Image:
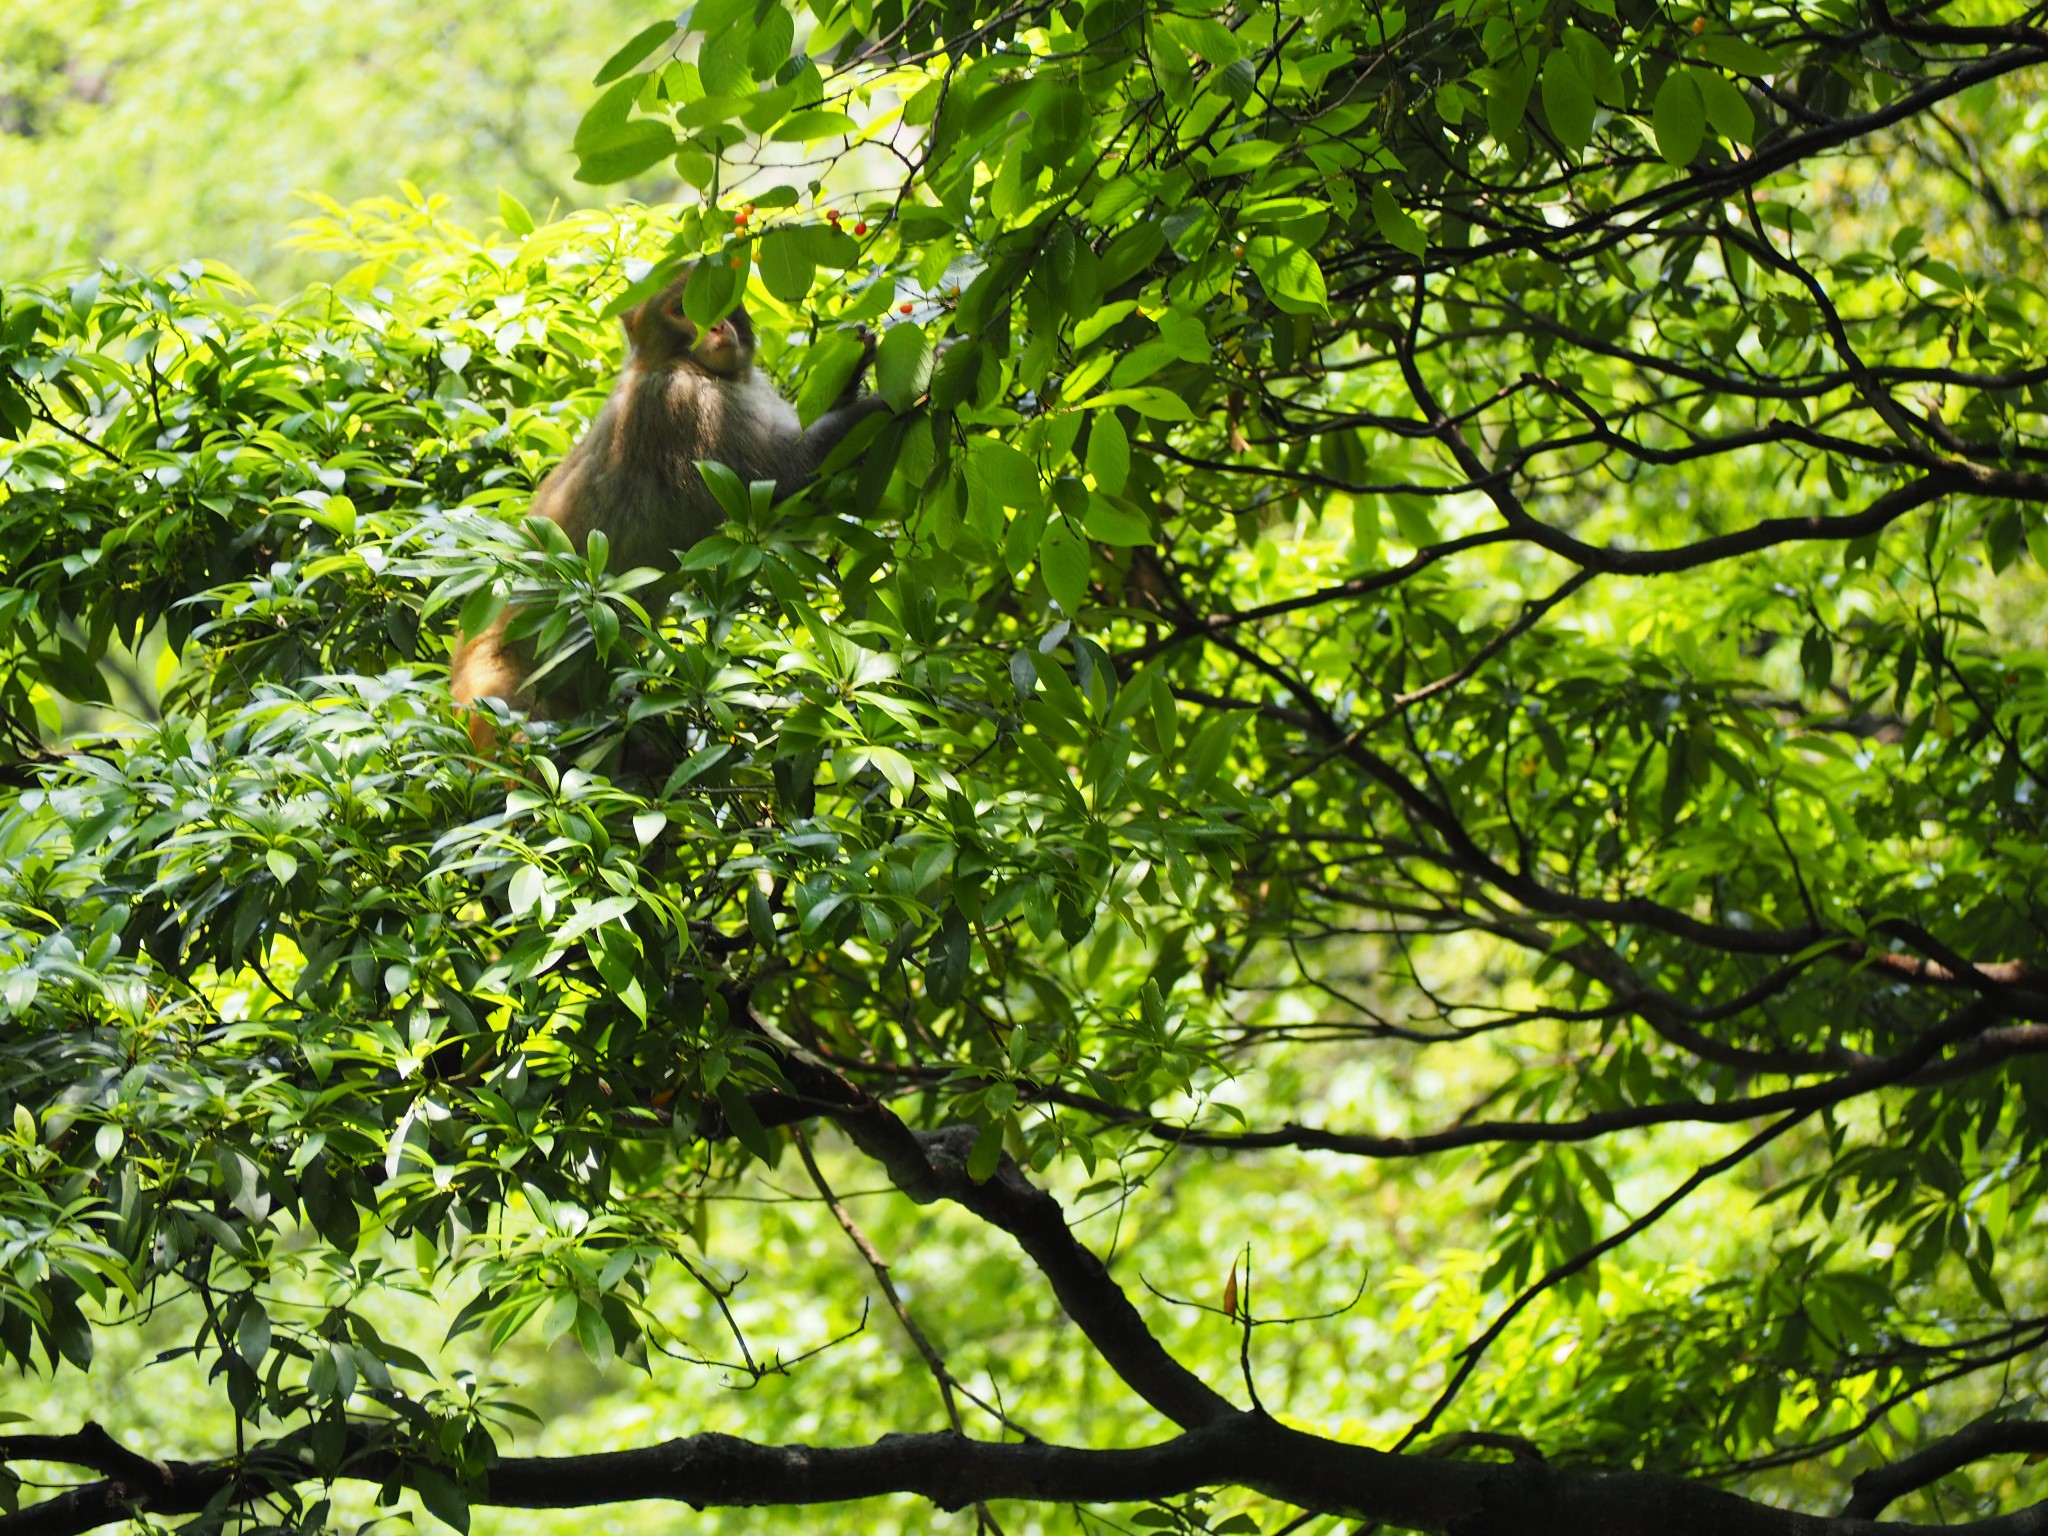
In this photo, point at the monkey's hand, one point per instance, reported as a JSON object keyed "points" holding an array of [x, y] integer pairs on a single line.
{"points": [[867, 356]]}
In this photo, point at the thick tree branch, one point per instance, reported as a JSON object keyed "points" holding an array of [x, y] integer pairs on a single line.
{"points": [[1991, 1437], [1248, 1450]]}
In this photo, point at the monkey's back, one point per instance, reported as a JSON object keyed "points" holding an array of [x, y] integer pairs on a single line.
{"points": [[634, 473]]}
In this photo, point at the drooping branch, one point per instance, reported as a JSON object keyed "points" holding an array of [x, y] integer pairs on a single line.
{"points": [[932, 1165]]}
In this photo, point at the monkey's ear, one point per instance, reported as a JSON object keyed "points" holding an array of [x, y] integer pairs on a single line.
{"points": [[634, 319]]}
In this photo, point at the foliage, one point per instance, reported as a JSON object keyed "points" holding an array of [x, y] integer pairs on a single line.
{"points": [[1453, 589]]}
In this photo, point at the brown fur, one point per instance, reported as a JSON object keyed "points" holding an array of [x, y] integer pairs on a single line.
{"points": [[680, 398]]}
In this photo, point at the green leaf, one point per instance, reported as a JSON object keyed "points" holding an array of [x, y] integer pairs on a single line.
{"points": [[1130, 253], [1109, 453], [252, 1334], [1412, 519], [16, 416], [641, 44], [1203, 36], [903, 364], [760, 920], [695, 167], [830, 247], [523, 890], [987, 1153], [808, 127], [832, 364], [1567, 103], [606, 116], [442, 1497], [1739, 54], [711, 292], [769, 50], [626, 152], [1004, 473], [1246, 155], [1063, 560], [1170, 69], [1059, 123], [955, 373], [1727, 109], [1146, 400], [1507, 99], [1114, 525], [746, 1125], [1236, 80], [1679, 118], [1394, 222], [1288, 273], [722, 61], [513, 214], [946, 968], [787, 270]]}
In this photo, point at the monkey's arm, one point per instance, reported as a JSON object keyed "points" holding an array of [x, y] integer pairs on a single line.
{"points": [[820, 438]]}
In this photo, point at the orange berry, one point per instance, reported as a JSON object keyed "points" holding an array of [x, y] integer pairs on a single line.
{"points": [[748, 210], [1699, 25], [906, 308], [738, 262]]}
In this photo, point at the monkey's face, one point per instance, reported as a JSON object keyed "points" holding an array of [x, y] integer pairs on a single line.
{"points": [[725, 350]]}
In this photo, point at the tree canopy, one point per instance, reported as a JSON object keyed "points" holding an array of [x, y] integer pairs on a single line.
{"points": [[1377, 864]]}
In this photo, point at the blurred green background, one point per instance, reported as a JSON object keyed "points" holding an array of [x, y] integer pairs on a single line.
{"points": [[151, 131]]}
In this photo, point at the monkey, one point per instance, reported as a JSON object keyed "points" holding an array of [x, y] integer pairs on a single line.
{"points": [[681, 397]]}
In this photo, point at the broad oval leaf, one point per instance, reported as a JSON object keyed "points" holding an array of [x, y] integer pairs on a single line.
{"points": [[642, 43], [1679, 118], [903, 364], [626, 153], [1289, 274], [1567, 101], [1109, 453], [1063, 559], [806, 127], [787, 270]]}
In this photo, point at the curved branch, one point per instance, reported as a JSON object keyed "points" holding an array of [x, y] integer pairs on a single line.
{"points": [[932, 1165], [1991, 1437]]}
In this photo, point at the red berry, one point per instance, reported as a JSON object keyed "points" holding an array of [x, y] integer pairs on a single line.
{"points": [[906, 308], [861, 228], [832, 214]]}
